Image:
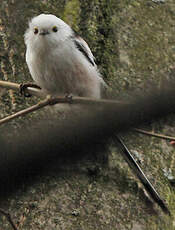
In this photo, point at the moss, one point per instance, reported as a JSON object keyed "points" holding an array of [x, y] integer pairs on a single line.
{"points": [[145, 36], [98, 27], [71, 13]]}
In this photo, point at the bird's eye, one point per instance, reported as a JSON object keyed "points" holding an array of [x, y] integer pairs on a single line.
{"points": [[55, 29], [35, 30]]}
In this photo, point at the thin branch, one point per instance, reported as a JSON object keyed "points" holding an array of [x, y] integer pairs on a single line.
{"points": [[54, 100], [16, 87], [23, 112], [154, 134], [76, 100], [50, 100], [7, 215]]}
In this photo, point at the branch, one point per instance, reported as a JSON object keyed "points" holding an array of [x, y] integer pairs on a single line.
{"points": [[33, 108], [16, 87], [7, 215], [49, 100], [63, 99], [89, 101], [154, 134]]}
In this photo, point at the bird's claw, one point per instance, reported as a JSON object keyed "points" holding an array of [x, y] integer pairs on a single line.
{"points": [[69, 98], [23, 88]]}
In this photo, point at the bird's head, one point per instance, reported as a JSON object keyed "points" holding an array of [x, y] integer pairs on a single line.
{"points": [[47, 30]]}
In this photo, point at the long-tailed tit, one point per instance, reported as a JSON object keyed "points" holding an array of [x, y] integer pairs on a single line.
{"points": [[60, 61]]}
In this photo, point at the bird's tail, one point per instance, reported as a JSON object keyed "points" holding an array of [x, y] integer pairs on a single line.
{"points": [[140, 174]]}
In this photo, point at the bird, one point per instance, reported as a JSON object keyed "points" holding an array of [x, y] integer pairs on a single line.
{"points": [[61, 63], [59, 60]]}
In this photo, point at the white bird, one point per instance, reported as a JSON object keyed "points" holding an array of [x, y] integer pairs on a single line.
{"points": [[62, 63], [59, 61]]}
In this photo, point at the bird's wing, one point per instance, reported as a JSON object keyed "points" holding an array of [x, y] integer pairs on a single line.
{"points": [[84, 49]]}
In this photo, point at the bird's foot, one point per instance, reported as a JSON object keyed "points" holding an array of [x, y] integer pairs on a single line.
{"points": [[69, 98], [23, 88]]}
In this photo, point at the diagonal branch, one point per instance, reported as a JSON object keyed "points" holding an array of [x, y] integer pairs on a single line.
{"points": [[54, 100], [23, 112]]}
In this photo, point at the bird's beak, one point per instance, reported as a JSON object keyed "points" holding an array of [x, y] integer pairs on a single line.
{"points": [[44, 32]]}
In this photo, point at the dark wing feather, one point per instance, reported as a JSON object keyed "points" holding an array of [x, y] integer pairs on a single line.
{"points": [[84, 49]]}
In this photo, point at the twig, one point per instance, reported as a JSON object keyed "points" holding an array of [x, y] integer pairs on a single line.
{"points": [[7, 215], [76, 100], [51, 100], [16, 87], [23, 112], [154, 134], [54, 100]]}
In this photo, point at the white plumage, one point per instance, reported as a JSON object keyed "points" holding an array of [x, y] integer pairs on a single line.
{"points": [[59, 61]]}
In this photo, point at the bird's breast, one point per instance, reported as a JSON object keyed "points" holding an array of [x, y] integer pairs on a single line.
{"points": [[61, 71]]}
